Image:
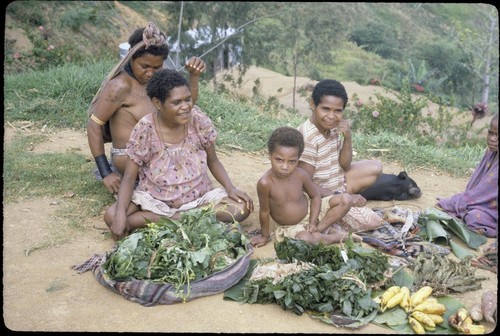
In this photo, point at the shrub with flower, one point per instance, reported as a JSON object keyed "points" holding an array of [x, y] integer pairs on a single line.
{"points": [[408, 115], [418, 88], [402, 115]]}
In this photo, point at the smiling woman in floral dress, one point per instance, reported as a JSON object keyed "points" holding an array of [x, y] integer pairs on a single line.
{"points": [[171, 151]]}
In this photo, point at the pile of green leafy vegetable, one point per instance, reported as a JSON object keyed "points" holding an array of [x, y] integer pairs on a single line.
{"points": [[368, 263], [177, 251], [333, 287]]}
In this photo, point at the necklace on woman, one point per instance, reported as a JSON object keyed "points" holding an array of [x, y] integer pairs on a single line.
{"points": [[160, 135]]}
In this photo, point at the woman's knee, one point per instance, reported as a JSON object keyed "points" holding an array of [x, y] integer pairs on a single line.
{"points": [[231, 211], [242, 213], [109, 215]]}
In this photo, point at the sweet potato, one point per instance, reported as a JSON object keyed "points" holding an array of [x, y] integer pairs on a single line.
{"points": [[476, 313], [489, 306]]}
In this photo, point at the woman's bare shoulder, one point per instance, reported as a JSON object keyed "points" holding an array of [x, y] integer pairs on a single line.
{"points": [[119, 86]]}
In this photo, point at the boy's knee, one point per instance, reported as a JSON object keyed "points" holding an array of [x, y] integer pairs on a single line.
{"points": [[342, 200], [345, 200], [378, 167]]}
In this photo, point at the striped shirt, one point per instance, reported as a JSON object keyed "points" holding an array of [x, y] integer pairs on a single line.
{"points": [[323, 154]]}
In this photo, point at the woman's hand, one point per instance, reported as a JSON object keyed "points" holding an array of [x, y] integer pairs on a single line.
{"points": [[240, 196], [195, 66], [112, 182], [118, 229]]}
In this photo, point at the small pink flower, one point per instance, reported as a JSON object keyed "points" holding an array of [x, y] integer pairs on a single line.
{"points": [[400, 120], [50, 47], [17, 55], [41, 28], [419, 88], [375, 114], [359, 103]]}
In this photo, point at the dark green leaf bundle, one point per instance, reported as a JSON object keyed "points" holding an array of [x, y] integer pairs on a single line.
{"points": [[319, 289], [330, 287]]}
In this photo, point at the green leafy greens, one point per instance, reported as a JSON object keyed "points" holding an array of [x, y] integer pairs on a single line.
{"points": [[177, 251], [330, 287]]}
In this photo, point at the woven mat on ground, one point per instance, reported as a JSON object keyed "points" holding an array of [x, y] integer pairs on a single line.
{"points": [[398, 235]]}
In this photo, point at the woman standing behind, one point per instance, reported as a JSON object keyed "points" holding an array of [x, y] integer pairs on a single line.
{"points": [[171, 151]]}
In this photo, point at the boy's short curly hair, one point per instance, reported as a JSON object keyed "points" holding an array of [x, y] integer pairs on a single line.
{"points": [[155, 50], [164, 81], [329, 87], [287, 137]]}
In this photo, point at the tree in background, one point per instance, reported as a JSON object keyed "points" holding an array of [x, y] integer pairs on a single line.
{"points": [[481, 42]]}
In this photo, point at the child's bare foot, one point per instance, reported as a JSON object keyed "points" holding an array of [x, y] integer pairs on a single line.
{"points": [[358, 200], [339, 235]]}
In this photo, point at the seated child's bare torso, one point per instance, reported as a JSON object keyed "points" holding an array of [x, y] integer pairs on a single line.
{"points": [[288, 202]]}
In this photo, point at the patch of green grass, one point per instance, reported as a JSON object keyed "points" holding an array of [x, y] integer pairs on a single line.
{"points": [[242, 124], [29, 174], [458, 162], [58, 97]]}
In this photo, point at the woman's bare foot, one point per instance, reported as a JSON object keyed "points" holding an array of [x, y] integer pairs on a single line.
{"points": [[358, 200]]}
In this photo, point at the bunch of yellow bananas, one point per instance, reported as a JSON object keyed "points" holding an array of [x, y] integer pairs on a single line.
{"points": [[390, 298], [462, 321], [424, 311]]}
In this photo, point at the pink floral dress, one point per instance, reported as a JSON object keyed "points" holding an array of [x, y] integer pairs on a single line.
{"points": [[173, 173]]}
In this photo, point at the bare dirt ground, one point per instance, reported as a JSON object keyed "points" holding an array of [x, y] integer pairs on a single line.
{"points": [[42, 293]]}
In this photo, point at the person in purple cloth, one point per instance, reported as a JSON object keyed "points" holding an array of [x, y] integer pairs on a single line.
{"points": [[477, 206]]}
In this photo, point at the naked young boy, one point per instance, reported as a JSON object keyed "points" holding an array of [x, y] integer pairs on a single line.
{"points": [[282, 196]]}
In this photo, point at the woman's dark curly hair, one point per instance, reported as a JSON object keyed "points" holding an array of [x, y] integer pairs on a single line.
{"points": [[164, 81]]}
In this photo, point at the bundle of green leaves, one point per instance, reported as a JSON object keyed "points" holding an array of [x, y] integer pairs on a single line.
{"points": [[334, 285], [369, 264], [177, 251]]}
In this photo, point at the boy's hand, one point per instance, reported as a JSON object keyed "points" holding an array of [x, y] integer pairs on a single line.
{"points": [[259, 241], [344, 128], [312, 227]]}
